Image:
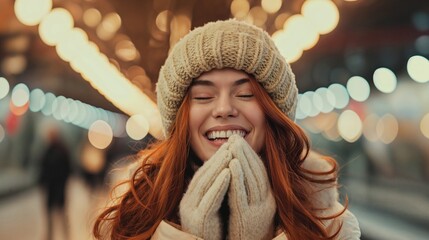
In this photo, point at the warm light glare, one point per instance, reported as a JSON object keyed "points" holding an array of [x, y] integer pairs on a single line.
{"points": [[331, 131], [92, 17], [4, 87], [100, 134], [55, 26], [162, 20], [271, 6], [72, 46], [93, 159], [424, 125], [385, 80], [323, 14], [289, 47], [350, 126], [126, 50], [109, 25], [418, 68], [31, 12], [240, 8], [280, 20], [387, 128], [369, 127], [180, 26], [300, 32], [259, 16], [358, 88], [137, 127], [14, 64]]}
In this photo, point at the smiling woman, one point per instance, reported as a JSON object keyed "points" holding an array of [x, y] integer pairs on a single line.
{"points": [[223, 103], [233, 164]]}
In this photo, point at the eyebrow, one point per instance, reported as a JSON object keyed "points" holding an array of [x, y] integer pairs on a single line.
{"points": [[202, 82]]}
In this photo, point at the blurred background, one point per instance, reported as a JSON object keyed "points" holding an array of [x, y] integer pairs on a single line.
{"points": [[77, 99]]}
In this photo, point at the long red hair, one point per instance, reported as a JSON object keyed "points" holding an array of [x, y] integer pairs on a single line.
{"points": [[157, 186]]}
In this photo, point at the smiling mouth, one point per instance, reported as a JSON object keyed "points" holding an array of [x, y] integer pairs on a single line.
{"points": [[224, 134]]}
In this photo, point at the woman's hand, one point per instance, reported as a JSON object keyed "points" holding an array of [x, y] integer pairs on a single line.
{"points": [[252, 205], [199, 207]]}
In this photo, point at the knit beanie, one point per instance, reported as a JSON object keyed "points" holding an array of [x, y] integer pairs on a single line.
{"points": [[224, 44]]}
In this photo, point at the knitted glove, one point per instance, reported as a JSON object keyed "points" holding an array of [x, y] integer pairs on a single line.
{"points": [[251, 202], [199, 207]]}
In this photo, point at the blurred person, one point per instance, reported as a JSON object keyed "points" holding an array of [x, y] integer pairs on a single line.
{"points": [[93, 165], [234, 164], [55, 171]]}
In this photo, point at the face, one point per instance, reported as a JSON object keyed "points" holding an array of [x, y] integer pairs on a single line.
{"points": [[223, 103]]}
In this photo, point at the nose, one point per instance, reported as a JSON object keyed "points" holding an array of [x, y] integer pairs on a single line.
{"points": [[224, 108]]}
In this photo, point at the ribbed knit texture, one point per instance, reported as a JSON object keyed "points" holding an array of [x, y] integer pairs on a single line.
{"points": [[224, 44]]}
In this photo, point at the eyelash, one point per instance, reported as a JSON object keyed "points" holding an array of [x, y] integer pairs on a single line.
{"points": [[207, 98], [202, 98], [246, 96]]}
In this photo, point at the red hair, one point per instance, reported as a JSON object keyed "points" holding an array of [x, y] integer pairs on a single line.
{"points": [[156, 187], [289, 180], [158, 184]]}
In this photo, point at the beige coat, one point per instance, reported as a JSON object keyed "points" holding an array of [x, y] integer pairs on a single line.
{"points": [[326, 198]]}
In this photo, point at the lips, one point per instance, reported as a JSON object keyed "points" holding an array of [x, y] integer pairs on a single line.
{"points": [[224, 134]]}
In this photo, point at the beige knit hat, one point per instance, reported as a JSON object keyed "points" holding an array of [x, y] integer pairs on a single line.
{"points": [[224, 44]]}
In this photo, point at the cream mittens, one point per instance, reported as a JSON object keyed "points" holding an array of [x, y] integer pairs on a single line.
{"points": [[199, 207], [252, 204]]}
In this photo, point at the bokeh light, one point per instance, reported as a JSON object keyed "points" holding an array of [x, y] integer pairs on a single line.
{"points": [[387, 128], [271, 6], [341, 95], [55, 26], [240, 8], [163, 20], [327, 99], [37, 100], [424, 125], [30, 12], [137, 127], [385, 80], [370, 126], [418, 68], [4, 87], [20, 95], [331, 131], [322, 14], [92, 17], [100, 134], [349, 126], [358, 88]]}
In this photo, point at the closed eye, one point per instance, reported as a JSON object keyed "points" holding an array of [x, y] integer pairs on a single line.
{"points": [[246, 95], [202, 98]]}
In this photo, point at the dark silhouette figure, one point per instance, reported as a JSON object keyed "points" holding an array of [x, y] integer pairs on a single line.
{"points": [[53, 178]]}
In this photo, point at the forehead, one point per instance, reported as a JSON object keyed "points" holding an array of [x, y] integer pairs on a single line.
{"points": [[223, 74]]}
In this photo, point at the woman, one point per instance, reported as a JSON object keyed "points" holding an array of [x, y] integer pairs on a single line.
{"points": [[234, 164]]}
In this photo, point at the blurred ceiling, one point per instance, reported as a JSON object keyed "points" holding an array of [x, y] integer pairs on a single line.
{"points": [[370, 34]]}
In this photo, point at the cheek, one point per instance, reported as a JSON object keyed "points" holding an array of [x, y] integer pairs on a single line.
{"points": [[258, 120], [196, 118]]}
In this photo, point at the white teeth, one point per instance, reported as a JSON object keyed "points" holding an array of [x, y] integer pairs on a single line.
{"points": [[225, 134]]}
